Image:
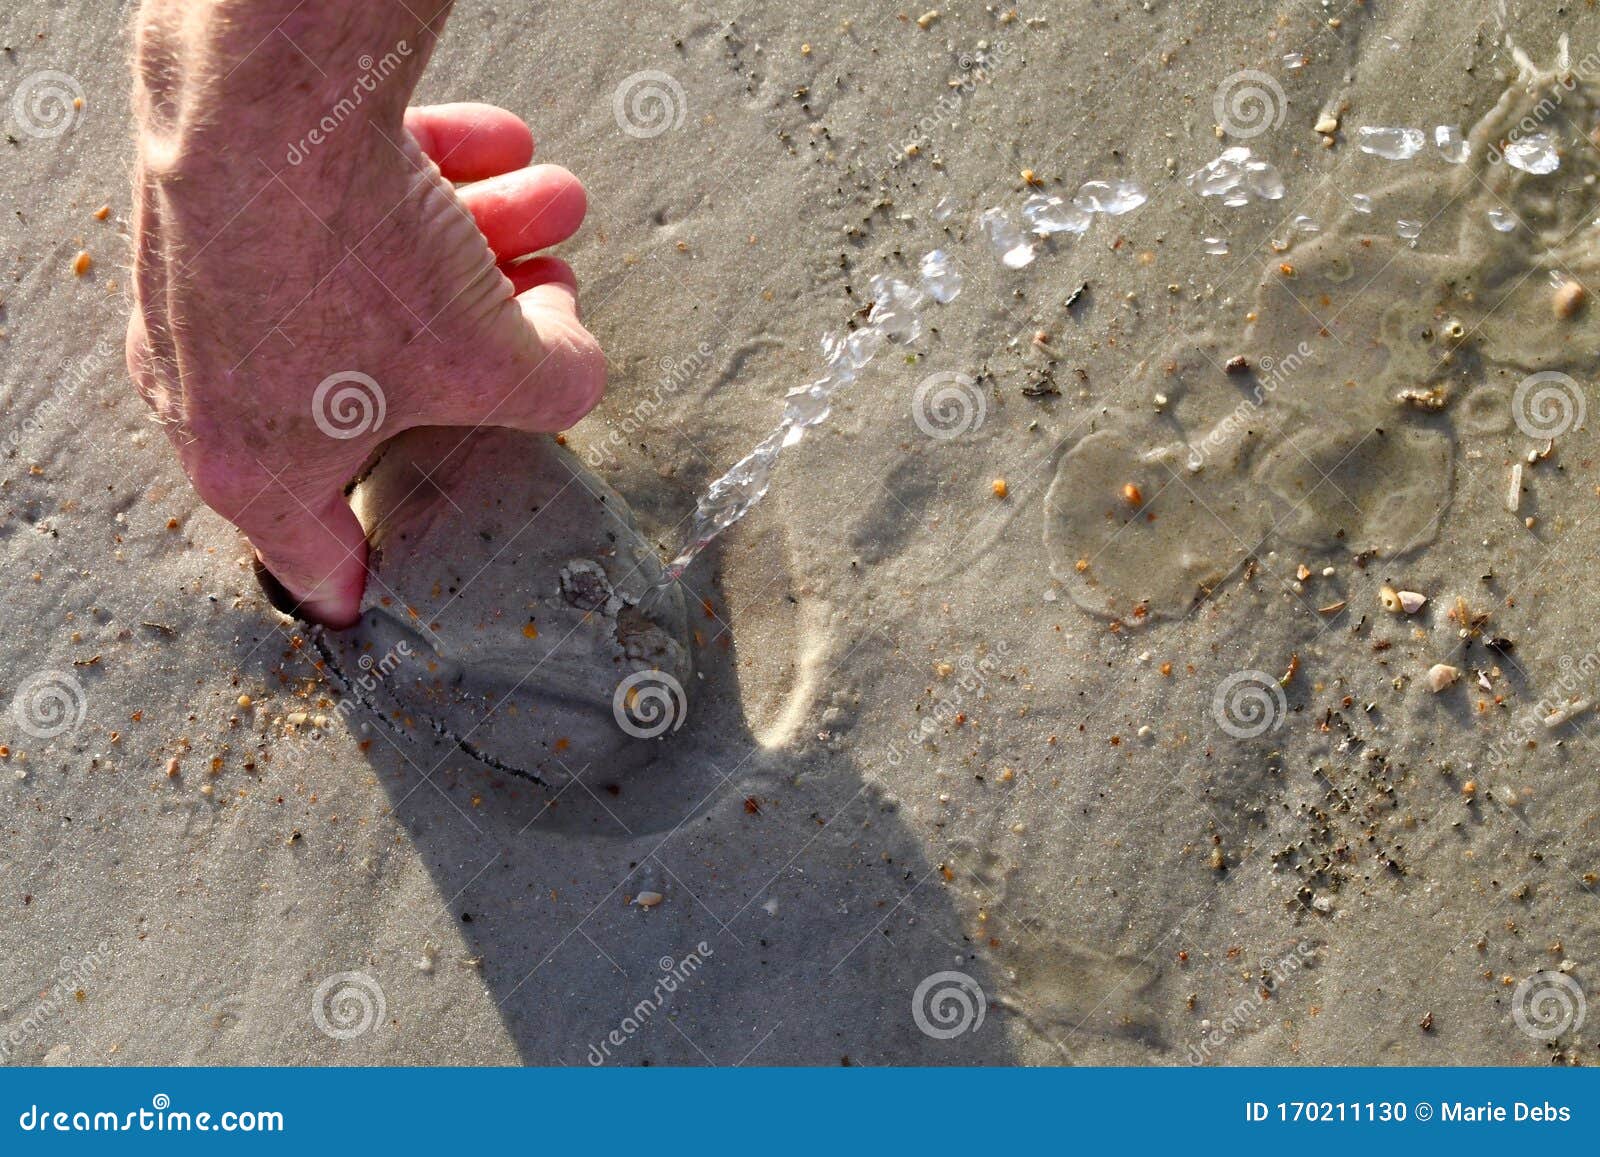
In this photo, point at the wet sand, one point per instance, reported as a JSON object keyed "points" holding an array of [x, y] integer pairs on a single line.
{"points": [[1193, 802]]}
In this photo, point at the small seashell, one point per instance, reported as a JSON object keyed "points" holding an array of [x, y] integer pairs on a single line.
{"points": [[1565, 713], [1410, 601], [648, 899], [1390, 598], [1441, 675], [1569, 298], [1514, 490], [1430, 400]]}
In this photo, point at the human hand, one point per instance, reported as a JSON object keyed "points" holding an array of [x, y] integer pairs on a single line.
{"points": [[290, 317]]}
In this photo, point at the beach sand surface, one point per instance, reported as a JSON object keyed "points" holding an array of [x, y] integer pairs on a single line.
{"points": [[1158, 779]]}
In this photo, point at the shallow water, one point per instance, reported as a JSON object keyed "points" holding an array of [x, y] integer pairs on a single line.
{"points": [[1332, 417]]}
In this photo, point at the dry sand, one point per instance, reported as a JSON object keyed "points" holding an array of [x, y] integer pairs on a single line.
{"points": [[1324, 891]]}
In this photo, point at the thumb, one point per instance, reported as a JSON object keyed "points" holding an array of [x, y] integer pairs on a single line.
{"points": [[311, 559]]}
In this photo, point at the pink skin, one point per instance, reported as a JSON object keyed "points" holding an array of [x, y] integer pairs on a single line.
{"points": [[401, 248]]}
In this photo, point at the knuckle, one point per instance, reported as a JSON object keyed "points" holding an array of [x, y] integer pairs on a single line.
{"points": [[220, 487], [141, 368], [586, 375], [152, 382]]}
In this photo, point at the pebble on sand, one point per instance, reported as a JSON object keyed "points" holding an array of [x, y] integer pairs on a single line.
{"points": [[1400, 602], [1441, 675], [1569, 298]]}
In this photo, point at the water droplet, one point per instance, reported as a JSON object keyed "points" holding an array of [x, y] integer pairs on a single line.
{"points": [[894, 308], [1009, 242], [730, 498], [1293, 60], [894, 315], [1216, 246], [1535, 153], [1113, 198], [944, 209], [805, 407], [1410, 230], [1452, 146], [1392, 144], [1046, 215], [940, 279], [1263, 181], [862, 346], [1304, 224], [1361, 203], [1500, 220], [1237, 177]]}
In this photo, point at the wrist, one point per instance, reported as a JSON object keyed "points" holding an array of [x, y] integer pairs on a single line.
{"points": [[246, 80]]}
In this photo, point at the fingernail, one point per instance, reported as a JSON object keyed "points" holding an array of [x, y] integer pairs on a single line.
{"points": [[277, 594]]}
